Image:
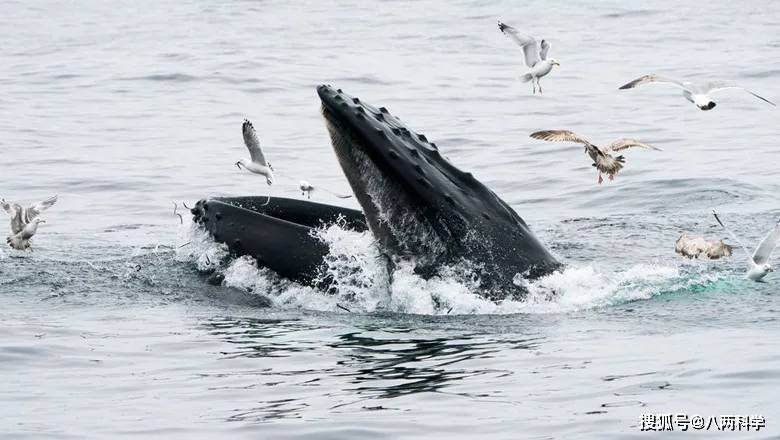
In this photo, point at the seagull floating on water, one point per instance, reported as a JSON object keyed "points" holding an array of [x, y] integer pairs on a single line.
{"points": [[698, 94], [535, 55], [758, 264], [23, 221], [695, 246], [307, 188], [257, 164], [602, 160]]}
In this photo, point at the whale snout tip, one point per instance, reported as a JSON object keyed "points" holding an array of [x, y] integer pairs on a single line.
{"points": [[325, 90], [328, 94]]}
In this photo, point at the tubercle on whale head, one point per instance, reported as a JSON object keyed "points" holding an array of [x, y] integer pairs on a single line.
{"points": [[438, 199], [404, 153]]}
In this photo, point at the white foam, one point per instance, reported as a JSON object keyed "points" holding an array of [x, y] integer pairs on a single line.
{"points": [[196, 246], [360, 281], [584, 287], [355, 268]]}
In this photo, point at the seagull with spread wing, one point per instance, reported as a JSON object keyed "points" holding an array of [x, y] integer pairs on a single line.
{"points": [[698, 94], [24, 221], [758, 264], [535, 55], [603, 161], [257, 163]]}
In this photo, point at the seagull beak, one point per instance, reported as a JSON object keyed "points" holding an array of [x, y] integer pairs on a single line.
{"points": [[557, 63], [238, 165]]}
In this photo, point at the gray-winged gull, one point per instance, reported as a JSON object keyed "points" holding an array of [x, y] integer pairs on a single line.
{"points": [[21, 240], [23, 222], [307, 188], [535, 55], [697, 93], [758, 263], [257, 164]]}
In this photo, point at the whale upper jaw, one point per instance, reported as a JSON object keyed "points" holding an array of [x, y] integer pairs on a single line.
{"points": [[418, 204]]}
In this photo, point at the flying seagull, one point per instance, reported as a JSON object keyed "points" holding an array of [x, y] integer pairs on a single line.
{"points": [[698, 94], [603, 161], [307, 188], [535, 55], [22, 217], [758, 264], [257, 164]]}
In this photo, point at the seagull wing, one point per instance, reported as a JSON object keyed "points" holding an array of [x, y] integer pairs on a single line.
{"points": [[625, 143], [767, 245], [652, 78], [7, 207], [545, 48], [716, 86], [528, 43], [39, 207], [747, 252], [559, 136], [15, 212], [17, 219], [252, 143]]}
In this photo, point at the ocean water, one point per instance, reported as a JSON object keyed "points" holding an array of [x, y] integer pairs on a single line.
{"points": [[109, 329]]}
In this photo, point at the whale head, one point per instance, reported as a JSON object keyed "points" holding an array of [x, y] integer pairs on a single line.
{"points": [[420, 206]]}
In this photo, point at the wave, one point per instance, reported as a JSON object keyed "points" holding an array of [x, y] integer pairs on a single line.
{"points": [[163, 77], [362, 283], [632, 13]]}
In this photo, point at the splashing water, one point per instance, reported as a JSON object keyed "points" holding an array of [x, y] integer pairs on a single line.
{"points": [[196, 246], [359, 280]]}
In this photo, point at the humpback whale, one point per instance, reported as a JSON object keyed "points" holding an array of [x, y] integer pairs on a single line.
{"points": [[418, 206]]}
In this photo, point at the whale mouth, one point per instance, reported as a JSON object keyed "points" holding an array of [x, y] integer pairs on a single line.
{"points": [[420, 206], [385, 185]]}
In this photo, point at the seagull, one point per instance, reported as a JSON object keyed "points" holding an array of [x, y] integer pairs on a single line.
{"points": [[758, 264], [535, 55], [602, 160], [698, 94], [694, 246], [257, 164], [21, 240], [20, 216], [307, 188]]}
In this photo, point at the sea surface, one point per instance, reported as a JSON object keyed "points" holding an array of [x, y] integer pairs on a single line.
{"points": [[109, 328]]}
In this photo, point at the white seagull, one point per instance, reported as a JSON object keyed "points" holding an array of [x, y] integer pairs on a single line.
{"points": [[257, 164], [698, 94], [602, 160], [307, 188], [535, 55], [758, 264], [22, 217], [21, 240]]}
